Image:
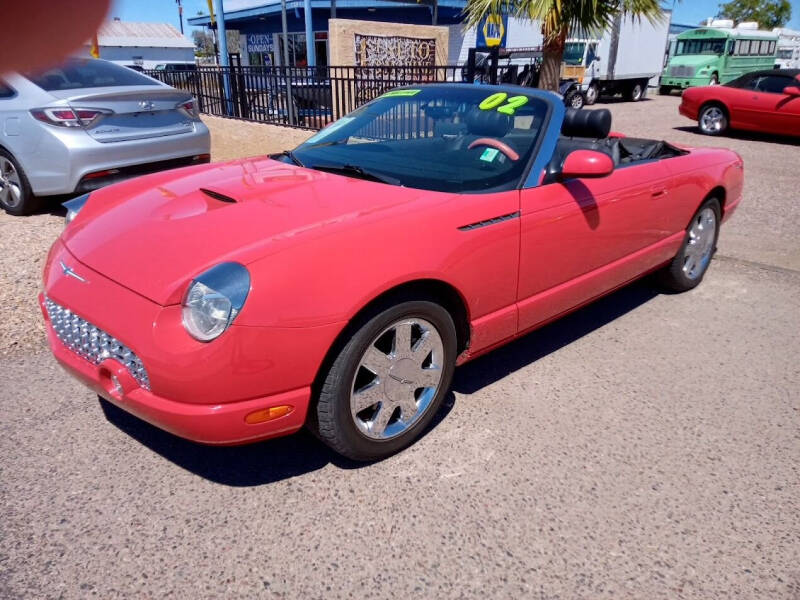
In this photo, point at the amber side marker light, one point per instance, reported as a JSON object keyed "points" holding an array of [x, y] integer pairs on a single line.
{"points": [[267, 414]]}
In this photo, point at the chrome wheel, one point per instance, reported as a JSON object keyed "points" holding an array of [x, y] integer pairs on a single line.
{"points": [[397, 378], [10, 184], [576, 101], [636, 92], [700, 244], [713, 120]]}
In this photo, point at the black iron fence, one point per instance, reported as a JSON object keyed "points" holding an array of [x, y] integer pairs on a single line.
{"points": [[305, 97]]}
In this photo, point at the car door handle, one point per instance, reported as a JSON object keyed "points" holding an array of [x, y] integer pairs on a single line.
{"points": [[659, 193]]}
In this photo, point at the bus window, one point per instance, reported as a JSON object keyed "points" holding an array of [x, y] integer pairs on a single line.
{"points": [[744, 48]]}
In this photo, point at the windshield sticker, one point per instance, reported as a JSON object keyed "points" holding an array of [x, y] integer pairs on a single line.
{"points": [[509, 108], [328, 130], [489, 154], [400, 93]]}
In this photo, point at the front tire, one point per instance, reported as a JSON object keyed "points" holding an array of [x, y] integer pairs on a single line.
{"points": [[388, 381], [690, 264], [16, 196], [665, 90], [712, 120], [592, 94]]}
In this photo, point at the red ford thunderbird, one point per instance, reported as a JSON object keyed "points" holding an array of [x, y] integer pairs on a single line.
{"points": [[338, 285], [767, 101]]}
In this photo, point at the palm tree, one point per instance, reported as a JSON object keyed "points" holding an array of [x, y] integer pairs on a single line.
{"points": [[558, 17]]}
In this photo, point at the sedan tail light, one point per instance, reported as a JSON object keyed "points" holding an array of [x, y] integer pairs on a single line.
{"points": [[189, 108], [68, 117]]}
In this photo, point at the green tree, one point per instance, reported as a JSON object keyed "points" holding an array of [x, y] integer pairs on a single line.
{"points": [[558, 17], [767, 13]]}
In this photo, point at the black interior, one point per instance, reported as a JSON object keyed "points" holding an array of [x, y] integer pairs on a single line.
{"points": [[589, 129]]}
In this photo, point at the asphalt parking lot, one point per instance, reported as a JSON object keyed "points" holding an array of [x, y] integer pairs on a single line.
{"points": [[646, 446]]}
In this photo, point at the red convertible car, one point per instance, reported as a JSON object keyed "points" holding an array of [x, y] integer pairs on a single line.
{"points": [[767, 101], [338, 285]]}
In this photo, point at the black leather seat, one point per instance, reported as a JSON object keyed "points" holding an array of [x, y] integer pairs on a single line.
{"points": [[583, 130], [488, 123]]}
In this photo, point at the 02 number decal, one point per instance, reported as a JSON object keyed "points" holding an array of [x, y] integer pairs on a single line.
{"points": [[509, 108]]}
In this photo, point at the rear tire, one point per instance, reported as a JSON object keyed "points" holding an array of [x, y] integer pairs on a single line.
{"points": [[16, 196], [636, 92], [690, 264], [372, 402]]}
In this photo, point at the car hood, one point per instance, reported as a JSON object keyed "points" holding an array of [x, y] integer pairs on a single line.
{"points": [[155, 233]]}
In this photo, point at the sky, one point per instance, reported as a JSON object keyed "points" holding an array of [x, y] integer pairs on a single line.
{"points": [[688, 12]]}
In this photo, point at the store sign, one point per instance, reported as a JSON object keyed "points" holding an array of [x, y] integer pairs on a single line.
{"points": [[492, 31], [259, 42]]}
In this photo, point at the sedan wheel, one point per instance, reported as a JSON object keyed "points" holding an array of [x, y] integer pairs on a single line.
{"points": [[574, 99], [387, 382], [712, 120], [690, 264], [15, 193]]}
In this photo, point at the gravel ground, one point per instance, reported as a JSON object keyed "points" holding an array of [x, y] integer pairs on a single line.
{"points": [[646, 446], [24, 241]]}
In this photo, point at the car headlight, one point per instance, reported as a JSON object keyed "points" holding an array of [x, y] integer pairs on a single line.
{"points": [[74, 206], [213, 300]]}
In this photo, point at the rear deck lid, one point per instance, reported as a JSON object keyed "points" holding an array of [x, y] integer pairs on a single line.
{"points": [[135, 106]]}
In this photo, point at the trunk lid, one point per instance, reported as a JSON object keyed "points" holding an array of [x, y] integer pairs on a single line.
{"points": [[155, 233], [137, 112]]}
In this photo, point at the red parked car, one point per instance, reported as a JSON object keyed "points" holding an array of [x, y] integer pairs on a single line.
{"points": [[767, 101], [337, 286]]}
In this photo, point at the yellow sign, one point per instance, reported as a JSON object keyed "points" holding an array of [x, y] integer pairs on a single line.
{"points": [[493, 29]]}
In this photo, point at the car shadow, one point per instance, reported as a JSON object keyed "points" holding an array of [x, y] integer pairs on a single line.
{"points": [[248, 465], [286, 457], [520, 353], [745, 136]]}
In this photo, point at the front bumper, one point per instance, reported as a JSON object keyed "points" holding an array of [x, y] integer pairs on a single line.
{"points": [[202, 392], [684, 82], [218, 424]]}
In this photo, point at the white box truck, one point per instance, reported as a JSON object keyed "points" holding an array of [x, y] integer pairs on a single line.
{"points": [[620, 61]]}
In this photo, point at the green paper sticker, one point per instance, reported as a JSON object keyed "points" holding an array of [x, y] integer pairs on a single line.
{"points": [[489, 154], [400, 93]]}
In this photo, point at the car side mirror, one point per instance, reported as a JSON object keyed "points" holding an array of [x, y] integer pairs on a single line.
{"points": [[586, 163], [791, 90]]}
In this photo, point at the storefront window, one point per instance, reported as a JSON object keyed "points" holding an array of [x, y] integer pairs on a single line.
{"points": [[298, 52]]}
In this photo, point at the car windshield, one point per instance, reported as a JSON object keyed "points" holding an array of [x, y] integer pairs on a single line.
{"points": [[712, 46], [449, 138], [573, 53], [78, 73]]}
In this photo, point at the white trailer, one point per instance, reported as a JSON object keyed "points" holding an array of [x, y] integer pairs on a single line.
{"points": [[788, 55], [620, 61]]}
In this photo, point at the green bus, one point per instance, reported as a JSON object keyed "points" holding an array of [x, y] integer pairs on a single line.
{"points": [[712, 55]]}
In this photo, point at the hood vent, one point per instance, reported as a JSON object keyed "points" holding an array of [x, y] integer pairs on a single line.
{"points": [[218, 196]]}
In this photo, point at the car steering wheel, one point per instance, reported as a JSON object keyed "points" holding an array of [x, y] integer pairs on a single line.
{"points": [[497, 145]]}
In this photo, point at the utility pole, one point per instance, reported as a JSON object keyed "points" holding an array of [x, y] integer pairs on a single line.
{"points": [[224, 59], [180, 13]]}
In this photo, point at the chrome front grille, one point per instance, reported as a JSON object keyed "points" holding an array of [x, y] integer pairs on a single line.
{"points": [[92, 343], [681, 71]]}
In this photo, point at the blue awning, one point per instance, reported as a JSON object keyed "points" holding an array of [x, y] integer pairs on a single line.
{"points": [[274, 8]]}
